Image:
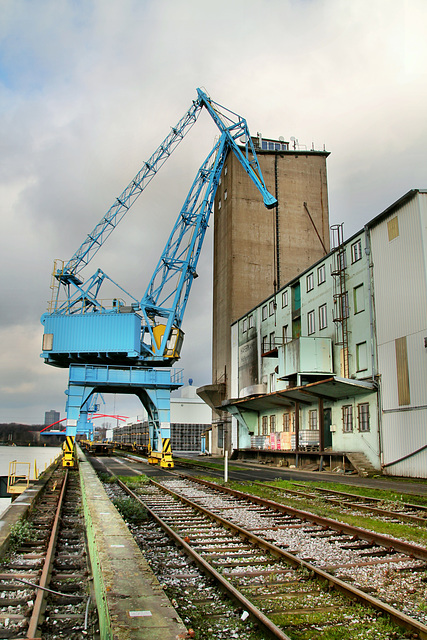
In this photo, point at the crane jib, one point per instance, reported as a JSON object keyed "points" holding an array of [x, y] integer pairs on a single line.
{"points": [[167, 293]]}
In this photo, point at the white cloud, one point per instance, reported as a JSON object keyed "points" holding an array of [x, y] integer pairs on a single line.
{"points": [[88, 91]]}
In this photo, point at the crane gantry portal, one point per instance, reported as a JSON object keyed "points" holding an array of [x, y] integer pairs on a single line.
{"points": [[131, 347]]}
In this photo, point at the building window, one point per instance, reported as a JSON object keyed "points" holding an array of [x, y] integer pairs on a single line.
{"points": [[312, 420], [347, 418], [310, 282], [356, 251], [272, 340], [361, 356], [311, 327], [342, 309], [264, 312], [363, 416], [272, 382], [271, 307], [359, 299], [323, 316], [285, 334], [272, 424], [219, 205], [321, 274], [220, 436], [264, 344], [286, 422], [285, 299], [225, 194], [342, 258], [393, 229], [264, 425], [270, 145], [245, 325], [225, 170], [250, 322]]}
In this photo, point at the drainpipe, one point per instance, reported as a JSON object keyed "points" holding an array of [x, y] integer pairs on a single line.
{"points": [[374, 355]]}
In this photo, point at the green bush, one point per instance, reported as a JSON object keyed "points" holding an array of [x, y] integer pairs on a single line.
{"points": [[132, 511], [21, 532]]}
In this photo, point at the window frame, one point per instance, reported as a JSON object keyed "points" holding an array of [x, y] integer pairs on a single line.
{"points": [[321, 271], [323, 315], [356, 251], [363, 418], [347, 418], [264, 314], [358, 353], [264, 425], [285, 334], [244, 325], [312, 420], [356, 297], [310, 282], [285, 299], [311, 322]]}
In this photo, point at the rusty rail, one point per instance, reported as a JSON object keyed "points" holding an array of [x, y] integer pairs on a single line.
{"points": [[47, 567]]}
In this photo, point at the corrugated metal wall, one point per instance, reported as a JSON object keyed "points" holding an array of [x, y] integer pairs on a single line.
{"points": [[401, 311]]}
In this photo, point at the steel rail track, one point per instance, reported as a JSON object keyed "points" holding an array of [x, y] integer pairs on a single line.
{"points": [[233, 593], [342, 498], [36, 615], [51, 600], [351, 592], [412, 550], [408, 505]]}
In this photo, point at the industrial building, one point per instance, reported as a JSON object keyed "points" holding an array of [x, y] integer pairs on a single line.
{"points": [[190, 417], [257, 251], [334, 364]]}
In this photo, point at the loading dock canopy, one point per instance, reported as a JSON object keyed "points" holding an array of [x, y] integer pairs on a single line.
{"points": [[330, 389]]}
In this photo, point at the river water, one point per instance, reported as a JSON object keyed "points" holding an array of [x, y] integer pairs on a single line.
{"points": [[37, 457]]}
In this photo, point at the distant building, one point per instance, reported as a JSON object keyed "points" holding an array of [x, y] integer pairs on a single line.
{"points": [[51, 416], [336, 360]]}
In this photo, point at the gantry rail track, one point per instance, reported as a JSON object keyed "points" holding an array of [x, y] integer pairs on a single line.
{"points": [[388, 510], [44, 578], [372, 538], [288, 596]]}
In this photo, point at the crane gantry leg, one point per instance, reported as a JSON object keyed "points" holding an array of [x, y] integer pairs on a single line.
{"points": [[158, 410], [152, 386]]}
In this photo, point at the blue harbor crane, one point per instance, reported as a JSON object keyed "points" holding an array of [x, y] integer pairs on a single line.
{"points": [[130, 347]]}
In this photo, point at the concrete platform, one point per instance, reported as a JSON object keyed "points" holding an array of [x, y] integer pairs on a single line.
{"points": [[131, 603]]}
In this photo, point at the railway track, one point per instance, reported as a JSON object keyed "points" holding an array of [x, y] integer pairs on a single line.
{"points": [[284, 595], [44, 590], [388, 510]]}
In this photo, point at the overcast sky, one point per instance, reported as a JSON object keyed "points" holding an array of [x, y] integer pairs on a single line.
{"points": [[88, 89]]}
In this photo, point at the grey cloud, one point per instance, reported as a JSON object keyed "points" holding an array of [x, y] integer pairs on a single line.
{"points": [[88, 91]]}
